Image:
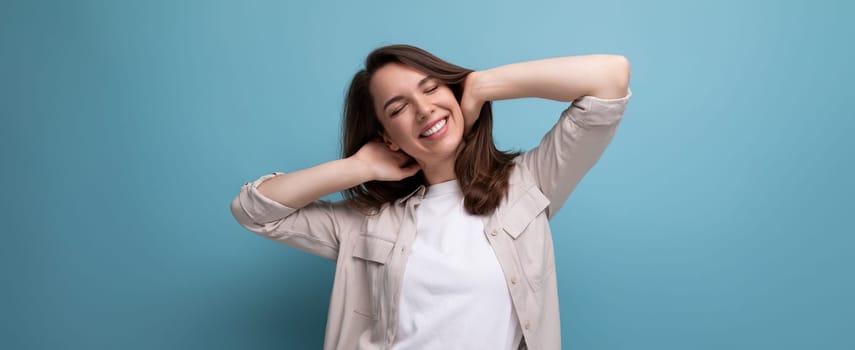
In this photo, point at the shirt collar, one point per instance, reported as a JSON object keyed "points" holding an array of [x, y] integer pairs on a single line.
{"points": [[420, 191]]}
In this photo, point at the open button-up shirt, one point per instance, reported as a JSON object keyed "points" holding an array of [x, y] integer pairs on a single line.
{"points": [[371, 250]]}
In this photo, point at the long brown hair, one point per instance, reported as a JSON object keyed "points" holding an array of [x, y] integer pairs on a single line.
{"points": [[482, 170]]}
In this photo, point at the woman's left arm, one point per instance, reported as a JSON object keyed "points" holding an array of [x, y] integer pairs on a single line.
{"points": [[598, 85], [560, 78]]}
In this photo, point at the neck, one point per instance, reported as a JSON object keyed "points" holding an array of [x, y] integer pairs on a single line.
{"points": [[439, 172]]}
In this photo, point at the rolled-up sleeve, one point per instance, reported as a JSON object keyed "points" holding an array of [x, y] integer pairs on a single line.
{"points": [[573, 145], [316, 228]]}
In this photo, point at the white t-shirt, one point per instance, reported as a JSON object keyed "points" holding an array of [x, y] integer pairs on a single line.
{"points": [[454, 294]]}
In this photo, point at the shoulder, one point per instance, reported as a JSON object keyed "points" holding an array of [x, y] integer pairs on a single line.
{"points": [[521, 181]]}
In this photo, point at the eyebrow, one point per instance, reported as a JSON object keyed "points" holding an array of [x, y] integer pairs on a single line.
{"points": [[399, 97]]}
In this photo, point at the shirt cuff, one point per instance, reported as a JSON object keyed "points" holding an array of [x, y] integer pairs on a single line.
{"points": [[595, 111], [258, 207]]}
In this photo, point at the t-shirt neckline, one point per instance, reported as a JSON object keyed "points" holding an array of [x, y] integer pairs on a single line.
{"points": [[447, 187]]}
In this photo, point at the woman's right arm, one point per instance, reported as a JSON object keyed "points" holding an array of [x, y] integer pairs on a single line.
{"points": [[304, 186], [374, 161], [285, 207]]}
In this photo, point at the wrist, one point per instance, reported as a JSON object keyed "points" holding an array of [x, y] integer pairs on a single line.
{"points": [[475, 84], [360, 169]]}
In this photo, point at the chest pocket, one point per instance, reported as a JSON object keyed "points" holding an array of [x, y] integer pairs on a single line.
{"points": [[373, 249], [371, 255], [527, 224]]}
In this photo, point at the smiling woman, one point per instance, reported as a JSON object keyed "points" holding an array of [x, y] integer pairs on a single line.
{"points": [[443, 241], [409, 92]]}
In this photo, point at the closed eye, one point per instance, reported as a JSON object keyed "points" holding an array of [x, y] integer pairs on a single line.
{"points": [[395, 112], [401, 109]]}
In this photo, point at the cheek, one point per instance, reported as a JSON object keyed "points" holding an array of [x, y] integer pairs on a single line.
{"points": [[453, 104], [398, 131]]}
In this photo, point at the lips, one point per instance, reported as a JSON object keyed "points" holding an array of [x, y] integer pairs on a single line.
{"points": [[431, 125]]}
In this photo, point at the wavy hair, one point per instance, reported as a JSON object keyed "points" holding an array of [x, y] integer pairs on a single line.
{"points": [[481, 169]]}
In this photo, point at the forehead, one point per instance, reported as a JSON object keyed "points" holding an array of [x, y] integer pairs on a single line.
{"points": [[394, 78]]}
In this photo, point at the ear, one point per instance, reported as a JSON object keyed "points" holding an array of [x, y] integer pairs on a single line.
{"points": [[389, 143]]}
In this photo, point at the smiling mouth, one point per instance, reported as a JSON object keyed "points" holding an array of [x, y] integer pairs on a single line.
{"points": [[435, 128]]}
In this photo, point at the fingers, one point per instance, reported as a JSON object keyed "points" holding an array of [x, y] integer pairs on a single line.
{"points": [[411, 169], [402, 158], [406, 164]]}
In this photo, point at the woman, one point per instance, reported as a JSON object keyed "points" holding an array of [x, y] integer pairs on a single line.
{"points": [[442, 241]]}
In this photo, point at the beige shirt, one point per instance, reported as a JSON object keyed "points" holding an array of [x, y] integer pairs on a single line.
{"points": [[371, 251]]}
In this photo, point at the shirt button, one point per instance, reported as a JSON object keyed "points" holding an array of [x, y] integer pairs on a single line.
{"points": [[514, 280], [527, 325], [493, 232]]}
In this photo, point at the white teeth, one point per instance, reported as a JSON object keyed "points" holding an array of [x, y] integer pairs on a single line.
{"points": [[435, 128]]}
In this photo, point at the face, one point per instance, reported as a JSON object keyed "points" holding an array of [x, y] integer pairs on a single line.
{"points": [[419, 114]]}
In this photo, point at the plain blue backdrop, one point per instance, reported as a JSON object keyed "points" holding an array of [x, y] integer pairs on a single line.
{"points": [[720, 217]]}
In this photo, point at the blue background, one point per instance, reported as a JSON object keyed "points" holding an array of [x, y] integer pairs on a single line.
{"points": [[719, 218]]}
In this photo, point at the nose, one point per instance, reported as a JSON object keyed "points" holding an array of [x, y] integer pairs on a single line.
{"points": [[424, 109]]}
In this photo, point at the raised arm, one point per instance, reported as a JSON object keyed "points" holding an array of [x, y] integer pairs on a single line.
{"points": [[598, 85], [373, 162], [560, 78], [285, 207]]}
